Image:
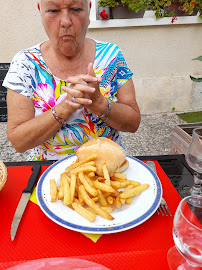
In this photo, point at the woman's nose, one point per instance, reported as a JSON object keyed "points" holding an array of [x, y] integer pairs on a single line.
{"points": [[65, 20]]}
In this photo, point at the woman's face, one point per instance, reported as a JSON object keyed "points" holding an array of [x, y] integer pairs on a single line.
{"points": [[66, 23]]}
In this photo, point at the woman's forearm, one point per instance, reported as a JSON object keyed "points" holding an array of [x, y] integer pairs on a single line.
{"points": [[33, 132], [124, 117]]}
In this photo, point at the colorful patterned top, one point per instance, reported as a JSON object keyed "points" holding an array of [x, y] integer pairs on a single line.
{"points": [[29, 76]]}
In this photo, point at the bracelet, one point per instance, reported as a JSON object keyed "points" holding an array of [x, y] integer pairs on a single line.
{"points": [[59, 119], [106, 110], [109, 110]]}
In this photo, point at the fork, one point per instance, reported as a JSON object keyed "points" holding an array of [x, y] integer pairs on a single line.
{"points": [[163, 207]]}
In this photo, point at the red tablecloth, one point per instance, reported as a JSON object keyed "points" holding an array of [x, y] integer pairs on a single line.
{"points": [[143, 247]]}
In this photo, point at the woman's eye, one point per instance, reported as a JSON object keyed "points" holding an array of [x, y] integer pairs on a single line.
{"points": [[53, 10], [76, 9]]}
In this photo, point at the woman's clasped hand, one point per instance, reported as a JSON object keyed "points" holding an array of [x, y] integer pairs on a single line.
{"points": [[84, 90]]}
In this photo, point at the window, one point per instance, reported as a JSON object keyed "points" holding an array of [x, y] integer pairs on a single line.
{"points": [[148, 19]]}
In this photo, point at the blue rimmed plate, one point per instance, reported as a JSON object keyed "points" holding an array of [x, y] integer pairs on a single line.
{"points": [[143, 206]]}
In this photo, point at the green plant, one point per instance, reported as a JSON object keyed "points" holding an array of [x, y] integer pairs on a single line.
{"points": [[167, 8], [193, 78], [135, 5], [159, 5], [189, 5], [109, 3], [162, 8]]}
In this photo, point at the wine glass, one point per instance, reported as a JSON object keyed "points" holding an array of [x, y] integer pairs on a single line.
{"points": [[194, 160], [187, 235]]}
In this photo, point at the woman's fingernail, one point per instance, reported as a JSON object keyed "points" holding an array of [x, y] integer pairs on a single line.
{"points": [[92, 89], [95, 79]]}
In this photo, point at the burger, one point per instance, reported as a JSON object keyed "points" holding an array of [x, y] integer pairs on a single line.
{"points": [[107, 152]]}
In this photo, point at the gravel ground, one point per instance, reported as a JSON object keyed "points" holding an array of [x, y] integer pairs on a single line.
{"points": [[153, 137]]}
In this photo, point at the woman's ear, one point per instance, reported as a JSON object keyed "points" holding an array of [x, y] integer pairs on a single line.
{"points": [[90, 5], [38, 6]]}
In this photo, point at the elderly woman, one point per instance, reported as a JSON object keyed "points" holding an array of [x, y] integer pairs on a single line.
{"points": [[68, 89]]}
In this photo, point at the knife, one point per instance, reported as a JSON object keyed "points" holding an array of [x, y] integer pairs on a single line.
{"points": [[151, 165], [24, 200]]}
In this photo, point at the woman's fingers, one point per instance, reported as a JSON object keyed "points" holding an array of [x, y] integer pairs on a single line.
{"points": [[81, 93], [78, 102], [91, 70], [81, 79], [78, 90], [83, 89]]}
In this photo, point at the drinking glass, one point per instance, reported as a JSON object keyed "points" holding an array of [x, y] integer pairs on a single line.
{"points": [[194, 160], [187, 235]]}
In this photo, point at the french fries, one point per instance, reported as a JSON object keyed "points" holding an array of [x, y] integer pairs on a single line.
{"points": [[106, 174], [89, 195], [103, 202], [83, 212], [66, 186], [61, 189], [91, 190], [53, 190], [72, 187], [103, 213], [77, 164], [133, 191], [103, 186]]}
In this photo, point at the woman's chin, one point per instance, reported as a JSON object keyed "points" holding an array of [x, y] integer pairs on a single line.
{"points": [[68, 48]]}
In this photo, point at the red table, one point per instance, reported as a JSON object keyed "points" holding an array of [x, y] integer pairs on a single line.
{"points": [[143, 247]]}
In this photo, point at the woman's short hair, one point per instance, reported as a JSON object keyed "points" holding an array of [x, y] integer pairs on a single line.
{"points": [[39, 1]]}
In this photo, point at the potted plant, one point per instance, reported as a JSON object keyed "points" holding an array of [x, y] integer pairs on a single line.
{"points": [[104, 13], [193, 78], [124, 9], [173, 8]]}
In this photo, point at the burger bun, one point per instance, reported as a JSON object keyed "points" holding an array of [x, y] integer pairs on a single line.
{"points": [[107, 152]]}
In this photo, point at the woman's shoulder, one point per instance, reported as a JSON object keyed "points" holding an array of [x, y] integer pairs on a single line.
{"points": [[31, 51], [107, 53], [104, 44]]}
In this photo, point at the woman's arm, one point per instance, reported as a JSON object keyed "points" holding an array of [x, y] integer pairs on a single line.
{"points": [[26, 131], [125, 114]]}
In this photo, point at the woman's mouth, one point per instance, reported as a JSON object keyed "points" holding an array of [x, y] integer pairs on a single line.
{"points": [[67, 37]]}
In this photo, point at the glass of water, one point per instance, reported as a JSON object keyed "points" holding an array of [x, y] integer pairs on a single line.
{"points": [[187, 235], [194, 160]]}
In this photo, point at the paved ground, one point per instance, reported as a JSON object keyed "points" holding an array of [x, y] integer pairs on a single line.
{"points": [[153, 137]]}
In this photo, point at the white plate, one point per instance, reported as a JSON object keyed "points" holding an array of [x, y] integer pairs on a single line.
{"points": [[143, 206]]}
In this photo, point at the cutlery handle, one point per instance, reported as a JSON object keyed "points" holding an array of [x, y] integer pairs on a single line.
{"points": [[32, 180], [151, 165]]}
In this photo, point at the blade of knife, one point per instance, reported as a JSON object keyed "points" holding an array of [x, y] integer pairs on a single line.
{"points": [[24, 200]]}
